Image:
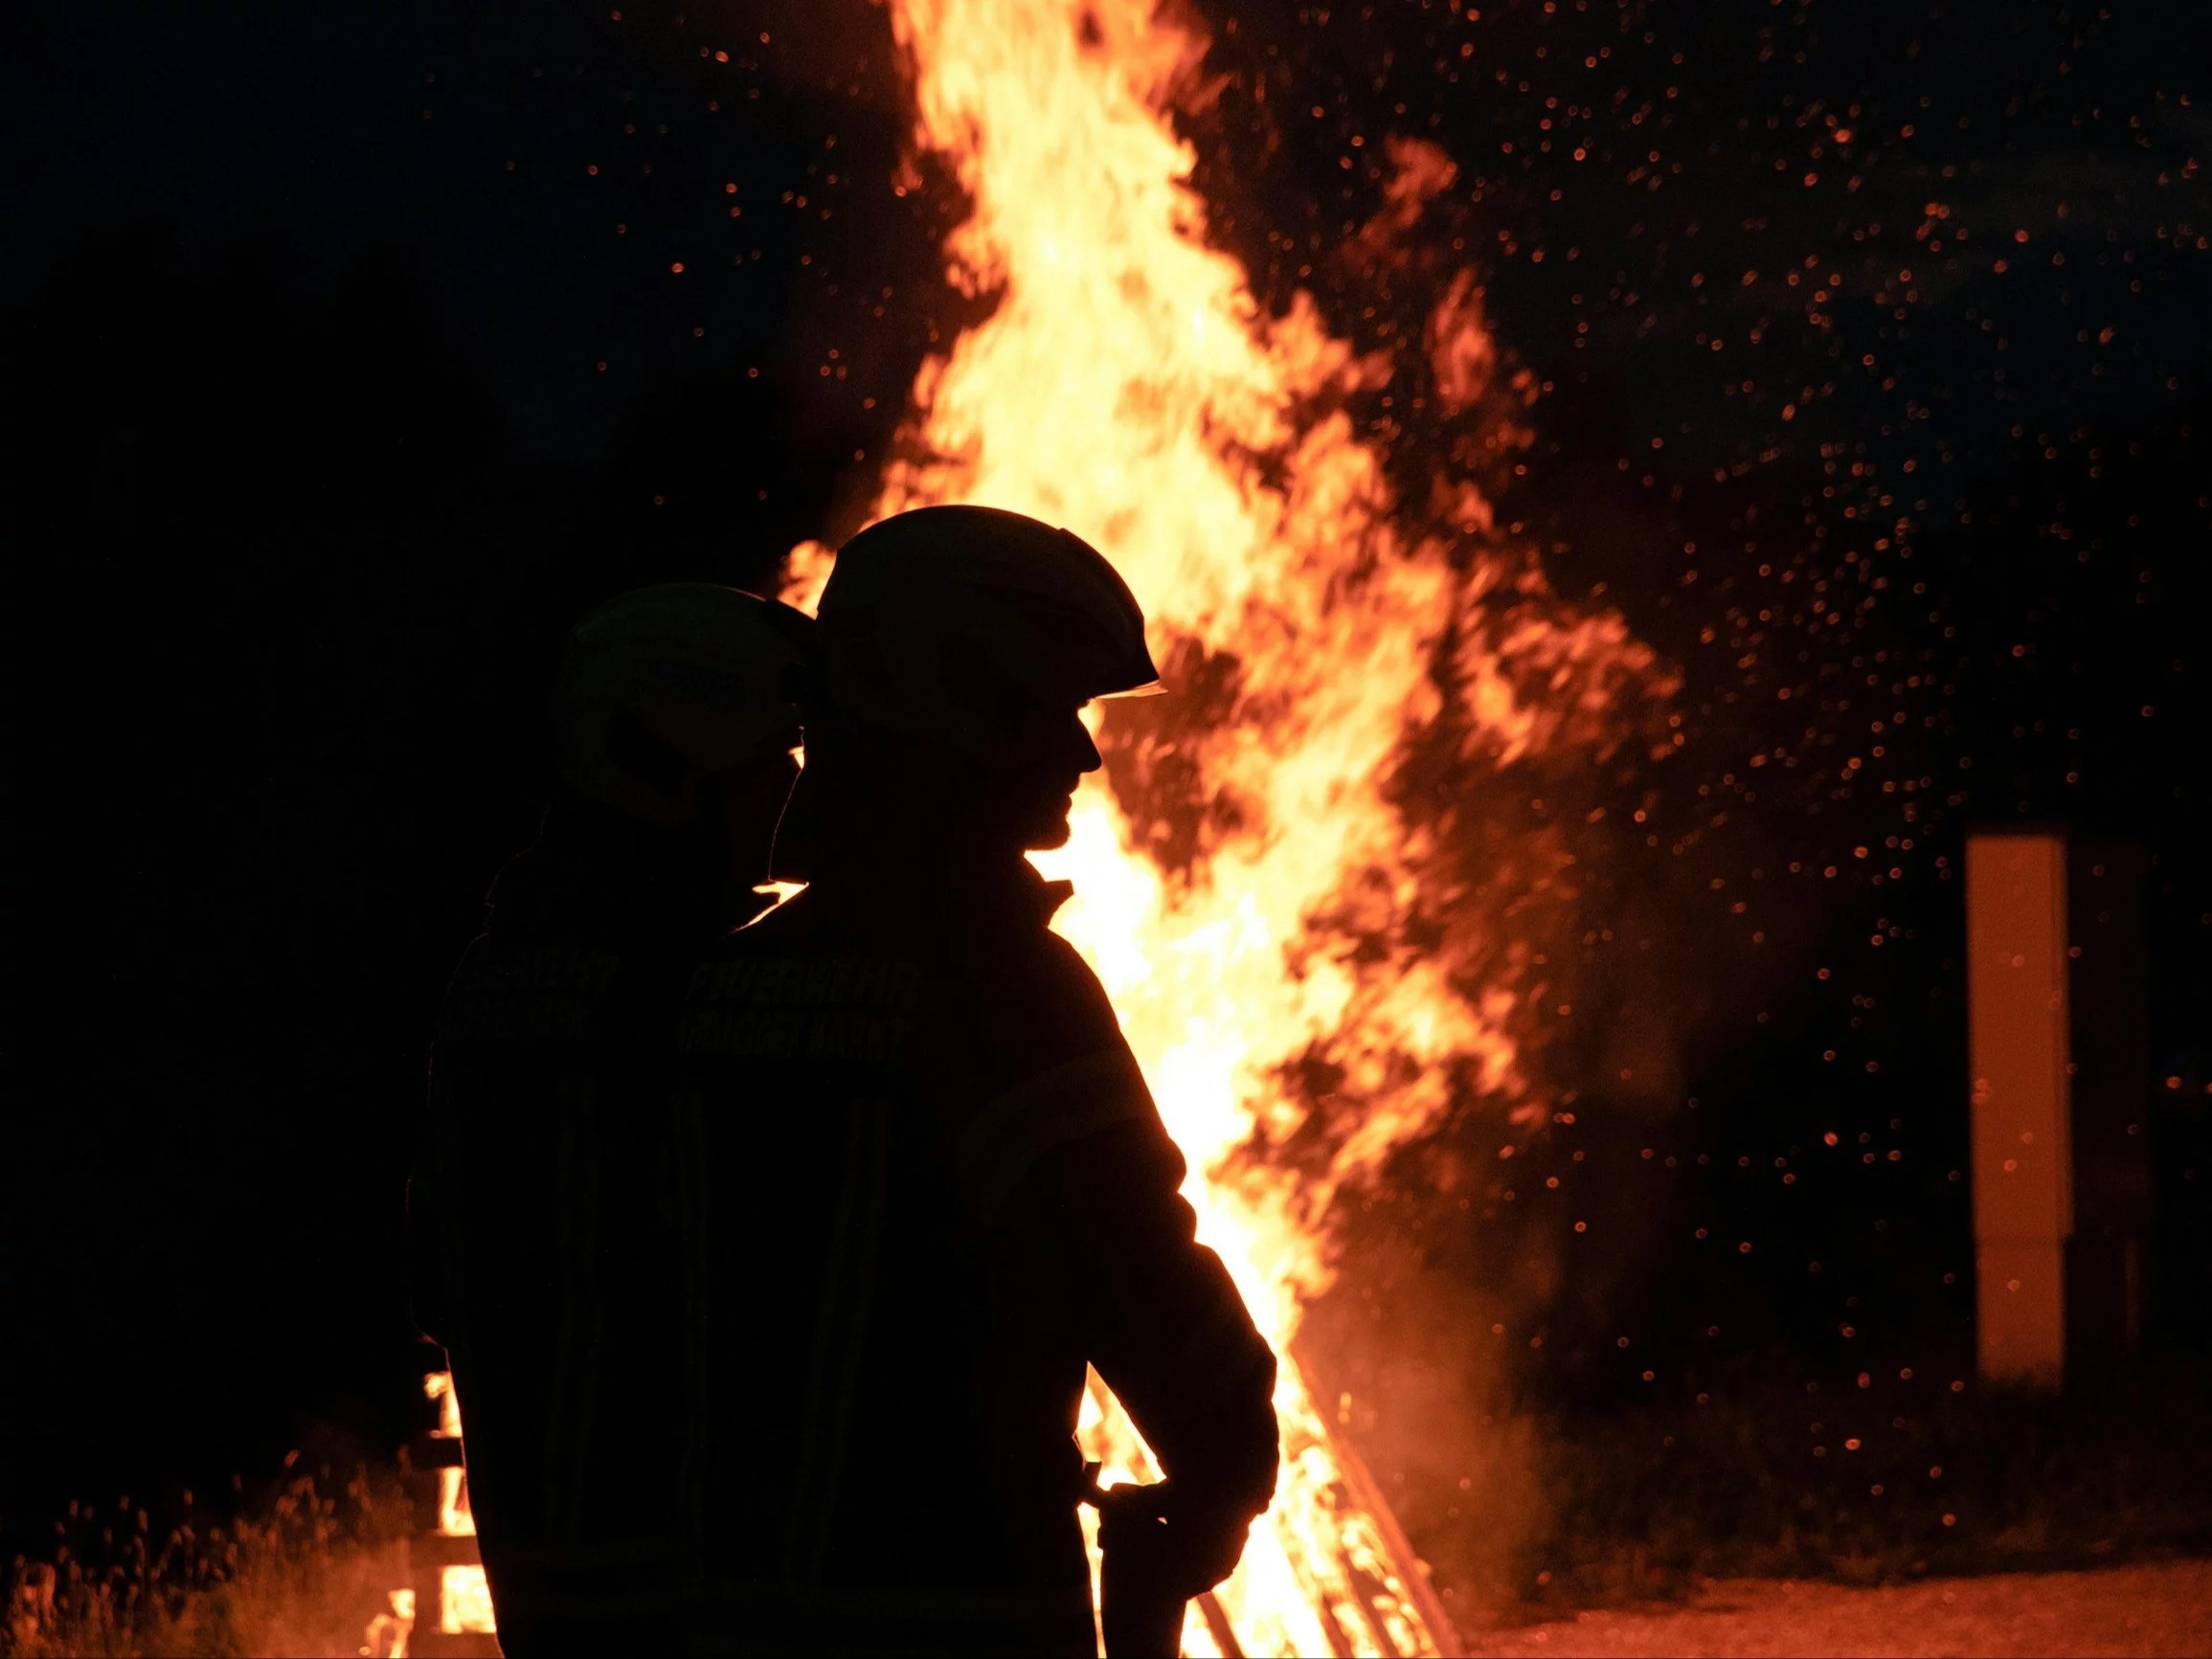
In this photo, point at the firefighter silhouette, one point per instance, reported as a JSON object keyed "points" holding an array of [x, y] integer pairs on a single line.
{"points": [[542, 1224], [930, 1182]]}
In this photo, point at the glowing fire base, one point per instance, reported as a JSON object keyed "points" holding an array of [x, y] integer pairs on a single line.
{"points": [[1325, 1571]]}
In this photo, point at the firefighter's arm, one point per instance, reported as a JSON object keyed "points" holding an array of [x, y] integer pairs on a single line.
{"points": [[1172, 1339], [1074, 1160]]}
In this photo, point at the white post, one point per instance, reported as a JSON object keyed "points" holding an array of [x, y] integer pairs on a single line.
{"points": [[2017, 1040]]}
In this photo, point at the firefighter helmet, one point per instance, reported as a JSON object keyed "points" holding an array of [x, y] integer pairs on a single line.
{"points": [[669, 685], [947, 623]]}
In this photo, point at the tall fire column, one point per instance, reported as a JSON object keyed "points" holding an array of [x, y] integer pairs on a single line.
{"points": [[2060, 1148]]}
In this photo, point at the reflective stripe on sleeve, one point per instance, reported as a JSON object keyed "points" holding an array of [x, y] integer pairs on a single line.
{"points": [[1069, 1102]]}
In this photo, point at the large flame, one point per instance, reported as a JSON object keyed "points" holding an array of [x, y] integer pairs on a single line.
{"points": [[1128, 384]]}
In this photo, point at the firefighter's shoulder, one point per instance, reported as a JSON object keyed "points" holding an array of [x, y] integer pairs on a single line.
{"points": [[1040, 993], [1053, 1074]]}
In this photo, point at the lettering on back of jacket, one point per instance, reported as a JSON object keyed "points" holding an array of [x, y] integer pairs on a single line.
{"points": [[545, 995], [848, 1008]]}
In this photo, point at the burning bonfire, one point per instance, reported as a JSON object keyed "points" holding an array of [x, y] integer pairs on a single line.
{"points": [[1246, 886], [1260, 899]]}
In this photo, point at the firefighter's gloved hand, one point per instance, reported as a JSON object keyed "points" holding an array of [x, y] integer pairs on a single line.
{"points": [[1221, 1475], [1183, 1546]]}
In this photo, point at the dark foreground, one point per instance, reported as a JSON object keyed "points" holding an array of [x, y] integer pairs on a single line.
{"points": [[293, 1593], [2164, 1608]]}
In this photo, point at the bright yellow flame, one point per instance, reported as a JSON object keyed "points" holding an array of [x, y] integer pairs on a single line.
{"points": [[387, 1633], [463, 1600]]}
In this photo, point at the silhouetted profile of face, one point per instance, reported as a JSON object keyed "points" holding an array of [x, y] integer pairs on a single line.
{"points": [[1049, 750], [871, 801]]}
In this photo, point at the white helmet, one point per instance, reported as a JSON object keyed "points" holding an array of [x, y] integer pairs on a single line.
{"points": [[669, 684], [946, 623]]}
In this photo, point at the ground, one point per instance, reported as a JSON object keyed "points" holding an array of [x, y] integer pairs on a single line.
{"points": [[2161, 1609]]}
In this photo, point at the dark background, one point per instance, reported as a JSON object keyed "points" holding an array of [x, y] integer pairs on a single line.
{"points": [[337, 379]]}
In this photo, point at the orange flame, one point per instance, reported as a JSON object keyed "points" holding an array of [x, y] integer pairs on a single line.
{"points": [[1129, 385]]}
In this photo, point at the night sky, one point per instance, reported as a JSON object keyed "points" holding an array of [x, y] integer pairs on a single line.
{"points": [[351, 350]]}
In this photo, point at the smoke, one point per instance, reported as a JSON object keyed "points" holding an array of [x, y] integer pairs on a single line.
{"points": [[1394, 1352]]}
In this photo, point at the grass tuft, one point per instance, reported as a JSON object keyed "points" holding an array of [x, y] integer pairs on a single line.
{"points": [[305, 1576]]}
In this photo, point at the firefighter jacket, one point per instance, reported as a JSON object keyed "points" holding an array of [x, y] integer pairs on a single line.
{"points": [[541, 1230], [930, 1187]]}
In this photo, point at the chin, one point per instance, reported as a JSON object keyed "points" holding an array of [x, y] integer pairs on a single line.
{"points": [[1048, 837]]}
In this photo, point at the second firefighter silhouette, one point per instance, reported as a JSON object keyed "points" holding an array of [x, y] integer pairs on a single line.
{"points": [[935, 1183], [546, 1255]]}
